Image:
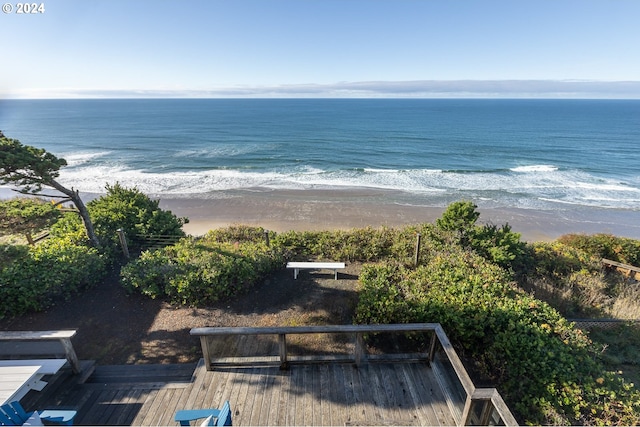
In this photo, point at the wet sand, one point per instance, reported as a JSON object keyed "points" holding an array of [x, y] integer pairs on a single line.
{"points": [[282, 210]]}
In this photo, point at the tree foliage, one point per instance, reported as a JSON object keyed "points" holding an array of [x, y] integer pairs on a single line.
{"points": [[30, 168], [498, 244], [459, 216], [23, 215], [133, 212]]}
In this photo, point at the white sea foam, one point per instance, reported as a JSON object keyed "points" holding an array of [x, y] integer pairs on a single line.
{"points": [[505, 189], [534, 168], [218, 151], [77, 159]]}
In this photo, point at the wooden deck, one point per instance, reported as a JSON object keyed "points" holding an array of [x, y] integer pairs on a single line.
{"points": [[404, 393], [271, 376]]}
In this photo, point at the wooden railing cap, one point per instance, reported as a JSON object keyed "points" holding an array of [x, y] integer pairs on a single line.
{"points": [[36, 335]]}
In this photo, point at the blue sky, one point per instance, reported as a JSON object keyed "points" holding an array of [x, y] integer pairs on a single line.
{"points": [[377, 48]]}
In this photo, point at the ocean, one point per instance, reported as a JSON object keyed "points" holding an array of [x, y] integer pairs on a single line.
{"points": [[526, 154]]}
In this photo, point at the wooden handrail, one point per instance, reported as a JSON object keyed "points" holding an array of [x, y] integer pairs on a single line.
{"points": [[319, 329], [64, 336], [608, 262], [489, 397]]}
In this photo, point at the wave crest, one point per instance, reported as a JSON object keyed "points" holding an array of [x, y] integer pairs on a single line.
{"points": [[504, 188], [534, 168]]}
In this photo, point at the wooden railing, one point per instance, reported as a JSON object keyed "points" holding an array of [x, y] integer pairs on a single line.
{"points": [[146, 241], [33, 344], [630, 270], [468, 404]]}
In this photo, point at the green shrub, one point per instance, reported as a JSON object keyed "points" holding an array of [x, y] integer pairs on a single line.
{"points": [[200, 272], [296, 245], [547, 371], [238, 233], [359, 244], [573, 281], [53, 270], [70, 227], [501, 246], [26, 215], [10, 253], [355, 245], [133, 212], [620, 249], [459, 216], [497, 244], [558, 259]]}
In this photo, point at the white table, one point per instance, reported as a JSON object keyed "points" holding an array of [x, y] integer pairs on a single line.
{"points": [[17, 377], [14, 381]]}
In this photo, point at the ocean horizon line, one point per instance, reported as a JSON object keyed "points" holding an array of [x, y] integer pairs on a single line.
{"points": [[411, 89]]}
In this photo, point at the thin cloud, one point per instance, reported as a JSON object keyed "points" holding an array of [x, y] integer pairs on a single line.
{"points": [[373, 89]]}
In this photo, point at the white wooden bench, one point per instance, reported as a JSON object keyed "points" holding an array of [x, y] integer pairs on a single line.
{"points": [[297, 266]]}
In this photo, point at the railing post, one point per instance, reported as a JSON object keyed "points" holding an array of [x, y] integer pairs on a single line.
{"points": [[432, 347], [123, 242], [72, 357], [466, 413], [417, 254], [282, 341], [485, 416], [359, 353], [206, 354]]}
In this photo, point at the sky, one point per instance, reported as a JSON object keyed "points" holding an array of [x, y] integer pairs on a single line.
{"points": [[321, 48]]}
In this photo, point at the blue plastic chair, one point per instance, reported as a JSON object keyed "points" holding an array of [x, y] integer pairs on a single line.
{"points": [[222, 416], [13, 414]]}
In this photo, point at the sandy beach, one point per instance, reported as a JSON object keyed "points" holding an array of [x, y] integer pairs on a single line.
{"points": [[282, 210]]}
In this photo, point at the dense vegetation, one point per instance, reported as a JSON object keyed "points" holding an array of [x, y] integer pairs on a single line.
{"points": [[21, 215], [546, 370], [502, 302], [33, 278], [38, 276], [203, 271], [133, 212]]}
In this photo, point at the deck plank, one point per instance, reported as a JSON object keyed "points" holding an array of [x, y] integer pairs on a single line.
{"points": [[312, 394], [297, 415], [325, 396], [356, 410], [394, 393], [234, 389], [254, 380], [377, 388], [339, 411], [100, 406], [127, 412], [284, 398], [269, 397], [148, 397], [424, 410]]}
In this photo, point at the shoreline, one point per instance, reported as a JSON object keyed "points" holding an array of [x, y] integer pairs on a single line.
{"points": [[282, 210], [314, 210]]}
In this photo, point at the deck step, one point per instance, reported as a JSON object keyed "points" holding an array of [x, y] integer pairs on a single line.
{"points": [[167, 373], [63, 380]]}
